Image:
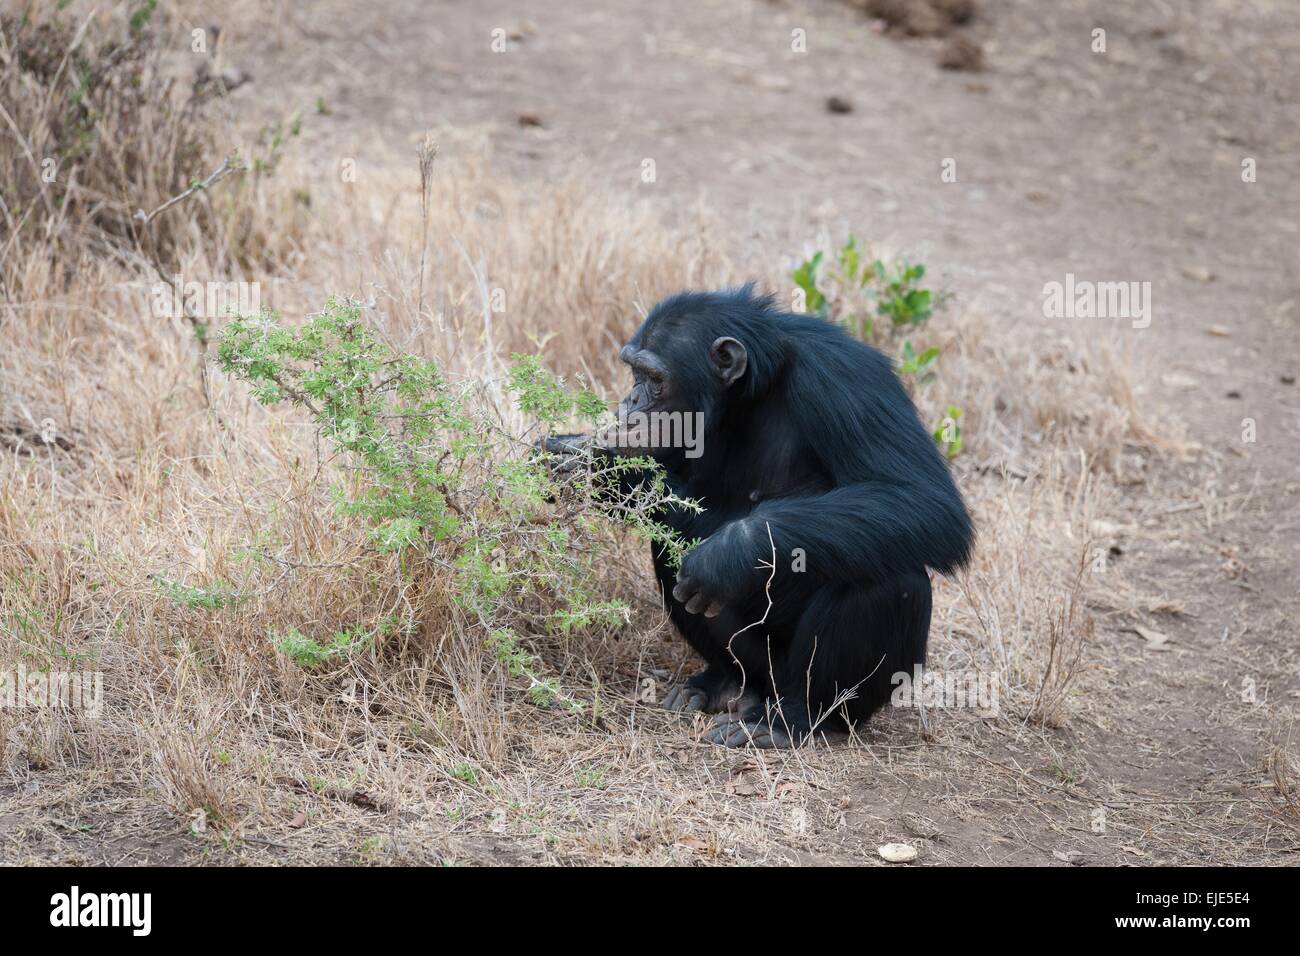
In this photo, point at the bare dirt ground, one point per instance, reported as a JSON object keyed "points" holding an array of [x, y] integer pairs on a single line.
{"points": [[1123, 165]]}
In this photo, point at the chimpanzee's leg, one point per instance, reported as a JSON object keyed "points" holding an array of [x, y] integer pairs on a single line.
{"points": [[722, 684], [848, 641]]}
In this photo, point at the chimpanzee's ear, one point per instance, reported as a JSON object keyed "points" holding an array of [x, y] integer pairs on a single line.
{"points": [[729, 359]]}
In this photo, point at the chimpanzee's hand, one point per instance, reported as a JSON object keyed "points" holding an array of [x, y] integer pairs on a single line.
{"points": [[723, 569], [568, 453]]}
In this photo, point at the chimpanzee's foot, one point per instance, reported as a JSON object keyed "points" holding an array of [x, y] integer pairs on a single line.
{"points": [[685, 699], [763, 727], [709, 691], [729, 730]]}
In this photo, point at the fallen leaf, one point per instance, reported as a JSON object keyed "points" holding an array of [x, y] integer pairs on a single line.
{"points": [[1234, 568], [1154, 638], [299, 820], [692, 843], [1222, 331], [1199, 273], [1068, 856], [522, 30], [770, 82], [898, 852], [1109, 529], [364, 800]]}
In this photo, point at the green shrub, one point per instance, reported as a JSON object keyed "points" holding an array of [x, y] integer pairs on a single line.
{"points": [[861, 289], [437, 477]]}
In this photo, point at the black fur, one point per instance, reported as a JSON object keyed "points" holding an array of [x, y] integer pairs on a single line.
{"points": [[816, 447]]}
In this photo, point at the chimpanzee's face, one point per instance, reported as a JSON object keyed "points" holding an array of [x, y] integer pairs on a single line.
{"points": [[656, 402], [678, 390], [654, 388]]}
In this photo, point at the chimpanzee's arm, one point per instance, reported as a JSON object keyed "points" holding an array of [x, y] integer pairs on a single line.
{"points": [[867, 532]]}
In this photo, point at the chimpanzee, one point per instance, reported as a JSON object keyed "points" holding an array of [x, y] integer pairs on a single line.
{"points": [[825, 502]]}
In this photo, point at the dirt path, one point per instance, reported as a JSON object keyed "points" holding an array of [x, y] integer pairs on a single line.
{"points": [[1117, 166]]}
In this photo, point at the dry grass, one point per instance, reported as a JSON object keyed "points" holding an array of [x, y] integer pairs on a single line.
{"points": [[425, 747]]}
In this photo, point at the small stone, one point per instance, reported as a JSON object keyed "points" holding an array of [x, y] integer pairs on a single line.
{"points": [[898, 853], [962, 53]]}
